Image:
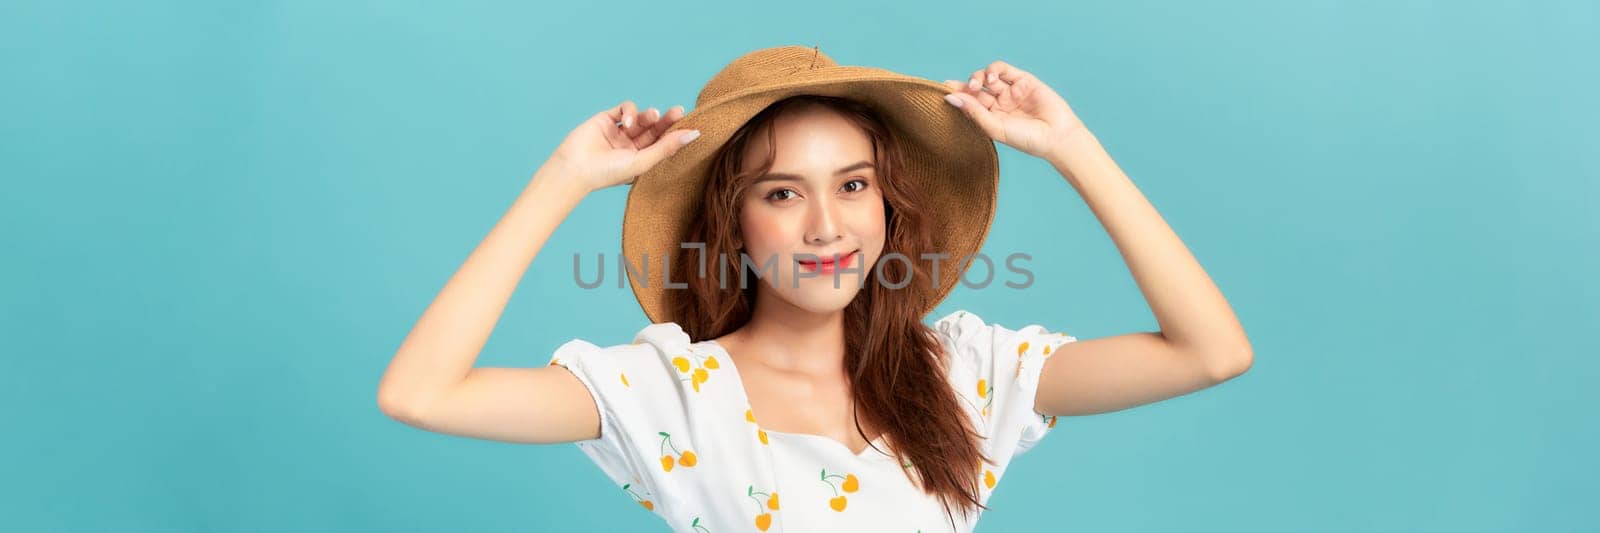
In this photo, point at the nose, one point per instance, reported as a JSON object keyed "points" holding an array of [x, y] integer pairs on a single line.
{"points": [[824, 222]]}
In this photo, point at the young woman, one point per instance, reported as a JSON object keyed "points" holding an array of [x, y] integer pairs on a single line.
{"points": [[830, 192]]}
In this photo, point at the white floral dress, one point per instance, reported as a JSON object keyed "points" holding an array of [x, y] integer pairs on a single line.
{"points": [[678, 437]]}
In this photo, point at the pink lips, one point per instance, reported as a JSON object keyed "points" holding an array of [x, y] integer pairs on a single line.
{"points": [[825, 265]]}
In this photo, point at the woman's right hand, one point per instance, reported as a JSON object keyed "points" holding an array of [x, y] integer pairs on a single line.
{"points": [[617, 145]]}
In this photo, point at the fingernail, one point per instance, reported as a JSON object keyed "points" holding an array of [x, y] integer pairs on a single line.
{"points": [[993, 77], [972, 83], [627, 122], [953, 99], [692, 135]]}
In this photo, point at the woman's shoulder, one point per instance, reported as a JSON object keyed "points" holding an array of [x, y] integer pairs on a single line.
{"points": [[963, 326], [976, 342], [959, 323], [654, 343]]}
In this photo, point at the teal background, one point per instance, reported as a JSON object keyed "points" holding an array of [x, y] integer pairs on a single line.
{"points": [[219, 222]]}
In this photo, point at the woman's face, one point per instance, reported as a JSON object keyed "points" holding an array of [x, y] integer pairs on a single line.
{"points": [[821, 197]]}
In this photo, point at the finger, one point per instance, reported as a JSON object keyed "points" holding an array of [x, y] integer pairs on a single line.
{"points": [[616, 113], [660, 127], [670, 143], [608, 120], [628, 111], [977, 86], [632, 130], [673, 114], [993, 84], [984, 98], [975, 80], [645, 120], [987, 81], [649, 117], [647, 127], [1007, 72], [979, 114]]}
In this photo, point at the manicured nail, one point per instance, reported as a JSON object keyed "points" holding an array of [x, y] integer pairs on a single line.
{"points": [[953, 99], [993, 77], [692, 135], [627, 122], [972, 83]]}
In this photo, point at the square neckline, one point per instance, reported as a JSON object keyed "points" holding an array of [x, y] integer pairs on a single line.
{"points": [[738, 382]]}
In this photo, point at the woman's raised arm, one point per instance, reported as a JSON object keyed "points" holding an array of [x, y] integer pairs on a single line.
{"points": [[1201, 342], [431, 382]]}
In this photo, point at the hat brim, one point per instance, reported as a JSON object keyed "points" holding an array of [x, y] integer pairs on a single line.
{"points": [[948, 156]]}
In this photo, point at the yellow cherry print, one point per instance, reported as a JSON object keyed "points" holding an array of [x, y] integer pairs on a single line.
{"points": [[642, 501], [763, 518], [750, 416], [986, 391], [625, 380], [685, 457], [850, 484], [696, 368], [988, 478], [699, 376]]}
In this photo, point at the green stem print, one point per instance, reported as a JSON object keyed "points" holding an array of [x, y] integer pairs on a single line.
{"points": [[697, 370], [641, 499], [986, 391], [685, 457], [984, 411], [849, 483], [763, 518]]}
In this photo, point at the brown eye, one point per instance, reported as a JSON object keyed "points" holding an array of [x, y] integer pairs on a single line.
{"points": [[862, 182], [770, 194]]}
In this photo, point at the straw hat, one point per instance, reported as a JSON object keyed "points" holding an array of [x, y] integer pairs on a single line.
{"points": [[947, 155]]}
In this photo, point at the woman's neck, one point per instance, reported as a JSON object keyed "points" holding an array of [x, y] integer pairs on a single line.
{"points": [[793, 340]]}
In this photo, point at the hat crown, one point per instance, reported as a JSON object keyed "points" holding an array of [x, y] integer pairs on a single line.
{"points": [[762, 67]]}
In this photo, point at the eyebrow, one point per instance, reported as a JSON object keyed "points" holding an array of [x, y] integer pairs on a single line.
{"points": [[774, 176]]}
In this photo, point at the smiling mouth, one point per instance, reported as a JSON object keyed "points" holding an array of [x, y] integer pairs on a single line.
{"points": [[827, 262]]}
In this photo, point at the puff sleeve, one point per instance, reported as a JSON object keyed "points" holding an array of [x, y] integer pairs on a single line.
{"points": [[644, 413], [995, 370]]}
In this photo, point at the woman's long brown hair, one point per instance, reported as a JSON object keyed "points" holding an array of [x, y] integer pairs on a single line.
{"points": [[896, 364]]}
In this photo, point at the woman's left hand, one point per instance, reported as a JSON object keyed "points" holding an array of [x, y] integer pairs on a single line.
{"points": [[1015, 108]]}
